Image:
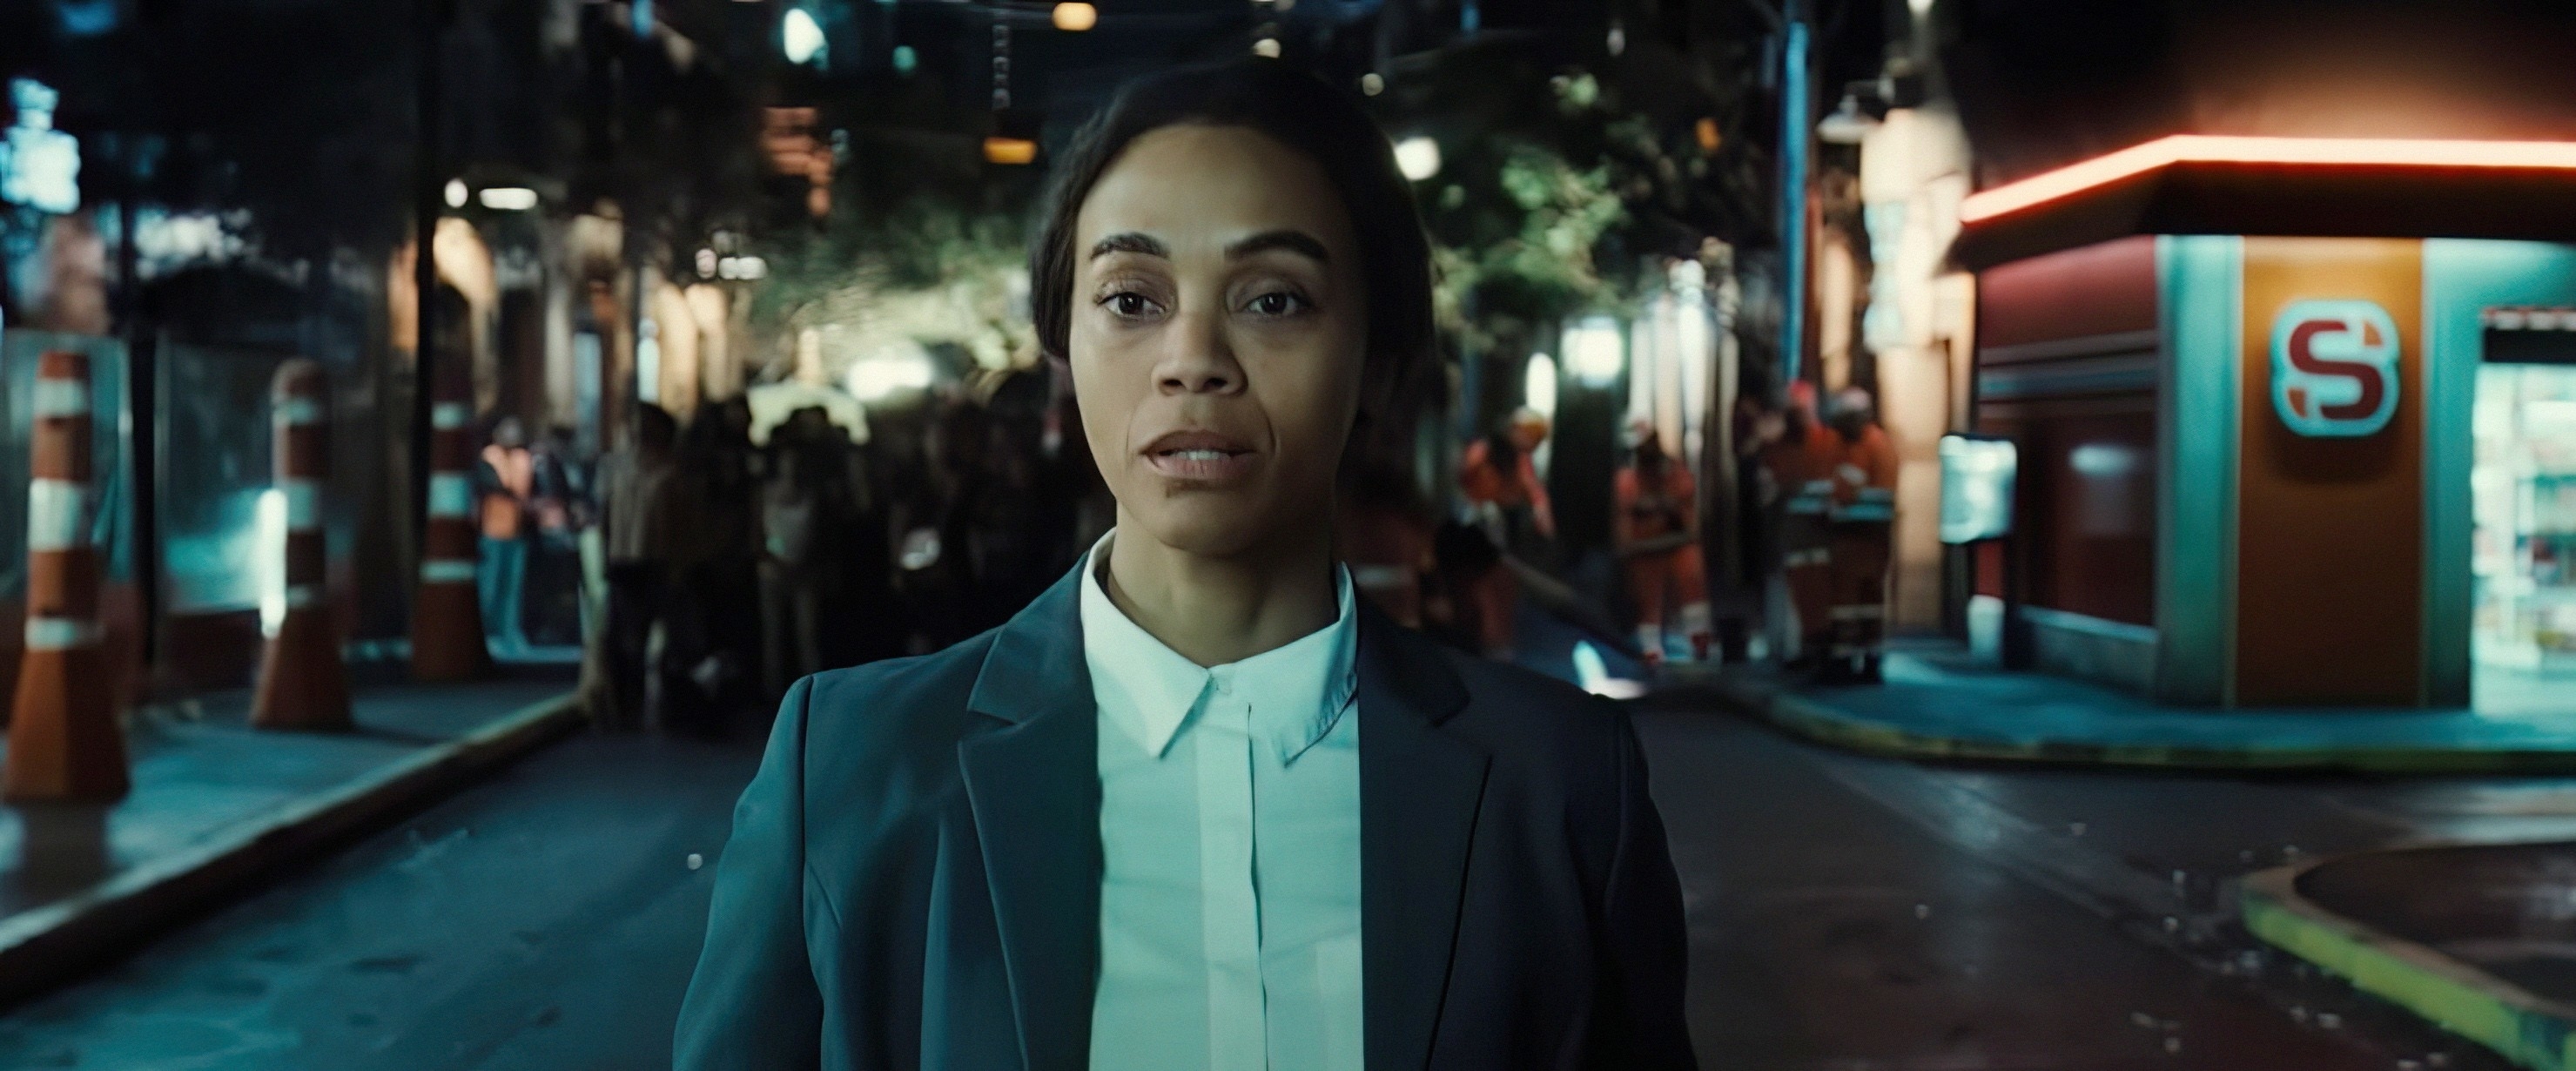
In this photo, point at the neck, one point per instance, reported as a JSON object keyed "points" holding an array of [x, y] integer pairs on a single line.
{"points": [[1215, 610]]}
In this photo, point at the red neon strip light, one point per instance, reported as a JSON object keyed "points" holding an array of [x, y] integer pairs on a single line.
{"points": [[2217, 148]]}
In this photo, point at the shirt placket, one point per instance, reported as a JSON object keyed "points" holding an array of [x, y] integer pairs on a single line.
{"points": [[1237, 1028]]}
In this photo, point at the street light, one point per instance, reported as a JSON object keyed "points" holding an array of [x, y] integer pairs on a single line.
{"points": [[801, 37], [1075, 18], [1595, 353], [1418, 157]]}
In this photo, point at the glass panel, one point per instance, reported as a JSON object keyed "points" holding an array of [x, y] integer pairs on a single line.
{"points": [[215, 468]]}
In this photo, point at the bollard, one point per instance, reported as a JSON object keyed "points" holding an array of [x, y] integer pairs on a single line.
{"points": [[302, 684], [447, 615], [64, 742]]}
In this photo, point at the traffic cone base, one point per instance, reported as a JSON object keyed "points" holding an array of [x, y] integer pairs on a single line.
{"points": [[64, 743], [302, 684]]}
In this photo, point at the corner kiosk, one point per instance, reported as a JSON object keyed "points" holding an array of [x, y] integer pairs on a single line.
{"points": [[2296, 418]]}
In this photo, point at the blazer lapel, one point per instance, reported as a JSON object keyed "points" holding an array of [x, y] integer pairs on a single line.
{"points": [[1033, 780], [1420, 789]]}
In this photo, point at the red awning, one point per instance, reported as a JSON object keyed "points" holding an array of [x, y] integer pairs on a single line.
{"points": [[2342, 187]]}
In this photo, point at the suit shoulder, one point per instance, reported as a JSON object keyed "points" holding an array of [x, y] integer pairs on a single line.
{"points": [[893, 704], [1524, 706]]}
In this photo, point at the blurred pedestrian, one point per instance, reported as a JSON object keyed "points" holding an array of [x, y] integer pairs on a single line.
{"points": [[722, 596], [1656, 534], [1500, 482], [1801, 465], [1499, 475], [1863, 518], [505, 480], [557, 510], [644, 508], [807, 499], [1384, 534]]}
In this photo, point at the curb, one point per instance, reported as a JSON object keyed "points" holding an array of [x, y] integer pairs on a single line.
{"points": [[1822, 723], [49, 945], [2524, 1028]]}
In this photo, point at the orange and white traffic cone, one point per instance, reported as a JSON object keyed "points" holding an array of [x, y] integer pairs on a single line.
{"points": [[302, 684], [64, 742], [446, 616]]}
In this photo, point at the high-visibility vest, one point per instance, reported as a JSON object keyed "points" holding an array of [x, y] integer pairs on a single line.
{"points": [[1865, 479]]}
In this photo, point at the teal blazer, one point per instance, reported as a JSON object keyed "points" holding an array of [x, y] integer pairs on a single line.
{"points": [[913, 878]]}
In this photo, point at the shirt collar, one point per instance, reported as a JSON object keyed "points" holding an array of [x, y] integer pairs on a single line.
{"points": [[1298, 691]]}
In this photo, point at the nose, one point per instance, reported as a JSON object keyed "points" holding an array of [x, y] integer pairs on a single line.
{"points": [[1197, 358]]}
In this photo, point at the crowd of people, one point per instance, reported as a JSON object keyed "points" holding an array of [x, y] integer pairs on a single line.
{"points": [[1823, 486], [703, 569]]}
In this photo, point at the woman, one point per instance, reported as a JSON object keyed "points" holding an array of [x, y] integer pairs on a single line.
{"points": [[1196, 807]]}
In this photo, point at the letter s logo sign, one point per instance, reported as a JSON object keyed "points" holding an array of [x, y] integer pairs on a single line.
{"points": [[2334, 368]]}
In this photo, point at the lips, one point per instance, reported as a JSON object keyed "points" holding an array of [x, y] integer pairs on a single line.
{"points": [[1199, 457]]}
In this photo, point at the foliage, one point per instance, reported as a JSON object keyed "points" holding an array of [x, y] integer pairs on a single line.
{"points": [[1531, 225], [1525, 256], [929, 268]]}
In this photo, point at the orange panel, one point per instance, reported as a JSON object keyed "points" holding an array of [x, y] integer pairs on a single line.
{"points": [[2330, 529]]}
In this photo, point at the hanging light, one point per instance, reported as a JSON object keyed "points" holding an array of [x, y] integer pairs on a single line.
{"points": [[1013, 151], [455, 193], [1075, 18], [1372, 84]]}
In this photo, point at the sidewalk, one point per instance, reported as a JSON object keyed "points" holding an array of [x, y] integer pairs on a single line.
{"points": [[218, 807], [1938, 703], [2475, 938]]}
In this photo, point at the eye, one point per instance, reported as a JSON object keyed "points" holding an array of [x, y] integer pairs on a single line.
{"points": [[1277, 303], [1129, 304]]}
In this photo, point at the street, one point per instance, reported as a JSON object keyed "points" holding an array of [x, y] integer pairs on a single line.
{"points": [[1847, 913], [546, 919]]}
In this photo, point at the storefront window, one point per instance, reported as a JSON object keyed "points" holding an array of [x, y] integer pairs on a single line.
{"points": [[2525, 500]]}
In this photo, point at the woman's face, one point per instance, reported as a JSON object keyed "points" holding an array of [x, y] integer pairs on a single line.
{"points": [[1218, 336]]}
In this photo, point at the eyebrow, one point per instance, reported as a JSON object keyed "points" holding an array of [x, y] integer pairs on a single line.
{"points": [[1290, 240], [1131, 242]]}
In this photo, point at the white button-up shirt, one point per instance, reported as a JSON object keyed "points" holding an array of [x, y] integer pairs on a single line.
{"points": [[1230, 837]]}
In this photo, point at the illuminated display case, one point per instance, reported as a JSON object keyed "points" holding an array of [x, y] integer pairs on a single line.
{"points": [[2524, 489]]}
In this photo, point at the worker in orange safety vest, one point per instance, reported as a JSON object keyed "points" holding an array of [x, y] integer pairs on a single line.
{"points": [[1863, 522], [1656, 533], [1800, 467]]}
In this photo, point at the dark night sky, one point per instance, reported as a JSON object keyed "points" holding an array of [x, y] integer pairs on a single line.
{"points": [[2046, 82]]}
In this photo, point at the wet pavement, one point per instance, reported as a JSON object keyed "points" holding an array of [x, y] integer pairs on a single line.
{"points": [[1847, 913], [2507, 910], [1850, 912], [545, 919]]}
